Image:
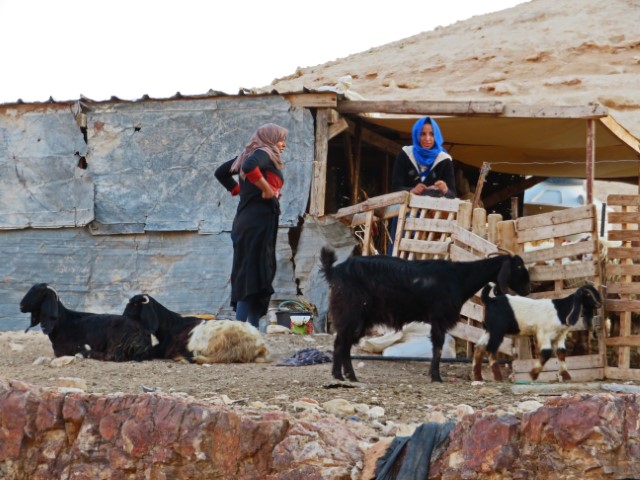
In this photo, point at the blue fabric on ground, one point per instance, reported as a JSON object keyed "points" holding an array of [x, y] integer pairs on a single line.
{"points": [[307, 356]]}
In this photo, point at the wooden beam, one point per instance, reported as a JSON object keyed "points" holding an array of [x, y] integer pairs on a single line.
{"points": [[621, 133], [312, 100], [420, 107], [551, 111], [497, 197], [375, 139], [490, 108], [319, 179], [337, 128]]}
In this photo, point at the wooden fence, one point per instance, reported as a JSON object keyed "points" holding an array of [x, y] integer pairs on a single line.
{"points": [[622, 272], [560, 248]]}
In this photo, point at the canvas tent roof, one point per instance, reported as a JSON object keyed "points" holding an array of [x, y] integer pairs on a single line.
{"points": [[517, 139]]}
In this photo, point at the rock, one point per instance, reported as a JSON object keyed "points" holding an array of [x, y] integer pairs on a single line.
{"points": [[581, 436], [62, 361], [71, 382], [339, 406], [376, 412], [45, 434]]}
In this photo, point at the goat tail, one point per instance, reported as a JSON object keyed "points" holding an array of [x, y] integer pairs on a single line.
{"points": [[485, 293], [327, 258]]}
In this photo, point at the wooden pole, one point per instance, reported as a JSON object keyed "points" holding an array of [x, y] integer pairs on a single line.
{"points": [[319, 179], [356, 165], [481, 179], [591, 157]]}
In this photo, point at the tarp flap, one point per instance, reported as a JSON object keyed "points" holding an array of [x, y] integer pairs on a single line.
{"points": [[41, 184], [541, 146]]}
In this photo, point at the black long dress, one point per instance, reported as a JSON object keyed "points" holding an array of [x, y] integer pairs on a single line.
{"points": [[254, 230]]}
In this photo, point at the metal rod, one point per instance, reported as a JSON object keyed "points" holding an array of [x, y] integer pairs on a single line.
{"points": [[420, 359]]}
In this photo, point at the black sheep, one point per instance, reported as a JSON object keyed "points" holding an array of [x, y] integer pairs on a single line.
{"points": [[98, 336]]}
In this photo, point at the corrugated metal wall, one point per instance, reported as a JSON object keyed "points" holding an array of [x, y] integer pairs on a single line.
{"points": [[147, 214]]}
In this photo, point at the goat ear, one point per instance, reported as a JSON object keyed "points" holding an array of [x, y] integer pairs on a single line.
{"points": [[149, 318], [49, 313], [504, 275]]}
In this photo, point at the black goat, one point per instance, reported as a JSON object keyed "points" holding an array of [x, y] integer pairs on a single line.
{"points": [[194, 339], [549, 320], [97, 336], [382, 290]]}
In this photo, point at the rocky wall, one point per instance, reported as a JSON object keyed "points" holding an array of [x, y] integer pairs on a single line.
{"points": [[58, 433]]}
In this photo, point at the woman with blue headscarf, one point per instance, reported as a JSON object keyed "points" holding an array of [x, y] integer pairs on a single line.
{"points": [[425, 168]]}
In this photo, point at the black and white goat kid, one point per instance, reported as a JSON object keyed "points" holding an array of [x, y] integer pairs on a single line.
{"points": [[98, 336], [549, 320], [382, 290]]}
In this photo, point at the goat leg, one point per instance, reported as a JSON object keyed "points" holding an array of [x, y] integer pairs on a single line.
{"points": [[495, 366], [338, 354], [564, 371], [478, 356], [545, 354], [435, 365]]}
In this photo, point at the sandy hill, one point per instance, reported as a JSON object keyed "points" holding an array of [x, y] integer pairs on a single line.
{"points": [[560, 52]]}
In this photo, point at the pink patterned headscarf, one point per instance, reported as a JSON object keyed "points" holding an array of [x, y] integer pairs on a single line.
{"points": [[264, 138]]}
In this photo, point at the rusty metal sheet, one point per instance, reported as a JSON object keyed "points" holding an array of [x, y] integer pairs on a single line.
{"points": [[41, 184]]}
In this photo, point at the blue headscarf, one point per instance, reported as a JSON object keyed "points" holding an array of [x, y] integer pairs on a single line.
{"points": [[426, 157]]}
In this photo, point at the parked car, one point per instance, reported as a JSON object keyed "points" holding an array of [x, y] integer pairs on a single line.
{"points": [[557, 194]]}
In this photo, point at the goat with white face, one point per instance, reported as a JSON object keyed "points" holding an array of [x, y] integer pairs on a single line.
{"points": [[97, 336], [548, 320]]}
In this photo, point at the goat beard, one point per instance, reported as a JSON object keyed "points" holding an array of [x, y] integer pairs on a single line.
{"points": [[34, 321]]}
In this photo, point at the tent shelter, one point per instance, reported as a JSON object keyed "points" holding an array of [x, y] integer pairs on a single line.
{"points": [[542, 141]]}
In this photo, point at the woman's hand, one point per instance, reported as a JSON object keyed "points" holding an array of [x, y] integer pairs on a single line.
{"points": [[263, 185], [419, 189], [442, 186]]}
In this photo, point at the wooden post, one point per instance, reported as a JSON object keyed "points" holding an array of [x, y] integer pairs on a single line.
{"points": [[479, 222], [481, 179], [348, 152], [356, 165], [464, 215], [507, 235], [319, 179], [492, 227], [591, 157], [514, 208]]}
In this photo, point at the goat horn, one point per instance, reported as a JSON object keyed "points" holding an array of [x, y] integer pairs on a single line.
{"points": [[501, 251], [146, 299], [54, 292]]}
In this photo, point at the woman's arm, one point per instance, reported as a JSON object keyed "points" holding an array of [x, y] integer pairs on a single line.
{"points": [[225, 177], [401, 178]]}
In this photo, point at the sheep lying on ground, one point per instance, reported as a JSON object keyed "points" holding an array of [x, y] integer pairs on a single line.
{"points": [[195, 339], [382, 290], [98, 336], [549, 320]]}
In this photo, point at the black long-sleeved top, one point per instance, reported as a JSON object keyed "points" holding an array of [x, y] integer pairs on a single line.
{"points": [[405, 175]]}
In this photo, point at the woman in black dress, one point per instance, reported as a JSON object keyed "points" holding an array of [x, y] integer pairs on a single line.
{"points": [[255, 225]]}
